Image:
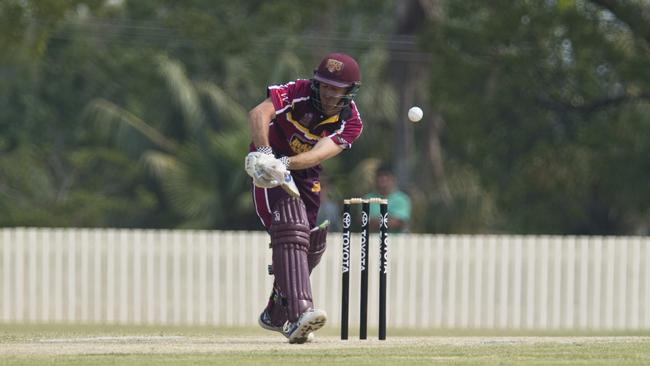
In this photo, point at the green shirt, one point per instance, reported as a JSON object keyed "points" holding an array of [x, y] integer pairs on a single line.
{"points": [[399, 206]]}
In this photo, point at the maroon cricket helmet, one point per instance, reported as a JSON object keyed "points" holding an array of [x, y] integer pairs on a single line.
{"points": [[338, 69]]}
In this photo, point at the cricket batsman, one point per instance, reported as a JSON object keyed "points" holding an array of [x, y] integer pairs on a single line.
{"points": [[298, 126]]}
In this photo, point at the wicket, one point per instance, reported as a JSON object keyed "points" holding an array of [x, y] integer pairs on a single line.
{"points": [[364, 250]]}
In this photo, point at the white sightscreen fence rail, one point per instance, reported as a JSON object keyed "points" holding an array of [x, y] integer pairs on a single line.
{"points": [[220, 278]]}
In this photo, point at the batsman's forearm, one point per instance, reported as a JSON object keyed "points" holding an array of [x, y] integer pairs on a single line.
{"points": [[259, 129], [304, 160], [259, 119], [322, 151]]}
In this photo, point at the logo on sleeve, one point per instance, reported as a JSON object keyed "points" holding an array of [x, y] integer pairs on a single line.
{"points": [[315, 187], [340, 140]]}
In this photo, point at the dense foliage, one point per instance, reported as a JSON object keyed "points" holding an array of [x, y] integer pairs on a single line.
{"points": [[134, 113]]}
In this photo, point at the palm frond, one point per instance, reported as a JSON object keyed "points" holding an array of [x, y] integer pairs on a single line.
{"points": [[160, 164], [239, 77], [105, 113], [185, 188], [25, 180], [231, 147], [377, 95], [183, 91], [223, 104], [288, 67]]}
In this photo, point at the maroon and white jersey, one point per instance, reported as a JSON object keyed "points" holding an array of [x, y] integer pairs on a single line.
{"points": [[297, 127]]}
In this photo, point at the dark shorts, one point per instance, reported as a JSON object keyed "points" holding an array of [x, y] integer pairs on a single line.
{"points": [[265, 199]]}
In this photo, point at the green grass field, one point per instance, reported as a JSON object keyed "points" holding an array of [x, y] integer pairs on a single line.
{"points": [[161, 346]]}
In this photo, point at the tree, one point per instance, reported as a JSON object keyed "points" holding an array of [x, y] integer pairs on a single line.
{"points": [[132, 113], [523, 96]]}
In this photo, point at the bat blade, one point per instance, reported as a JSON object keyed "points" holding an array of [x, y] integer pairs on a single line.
{"points": [[290, 186]]}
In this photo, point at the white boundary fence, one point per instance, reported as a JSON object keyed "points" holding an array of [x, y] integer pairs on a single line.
{"points": [[219, 278]]}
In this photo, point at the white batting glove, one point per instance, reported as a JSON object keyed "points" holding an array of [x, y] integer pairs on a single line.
{"points": [[254, 166], [263, 181], [276, 168]]}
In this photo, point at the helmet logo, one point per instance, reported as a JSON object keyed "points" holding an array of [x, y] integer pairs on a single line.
{"points": [[334, 65]]}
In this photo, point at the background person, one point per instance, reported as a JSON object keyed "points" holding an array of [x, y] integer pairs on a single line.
{"points": [[399, 203]]}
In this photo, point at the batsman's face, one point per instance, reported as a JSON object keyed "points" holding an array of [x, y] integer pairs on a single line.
{"points": [[330, 97]]}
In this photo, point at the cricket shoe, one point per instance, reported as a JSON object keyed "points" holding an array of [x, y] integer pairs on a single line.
{"points": [[265, 322], [301, 330]]}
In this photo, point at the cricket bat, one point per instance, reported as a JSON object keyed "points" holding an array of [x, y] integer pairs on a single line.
{"points": [[289, 185]]}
